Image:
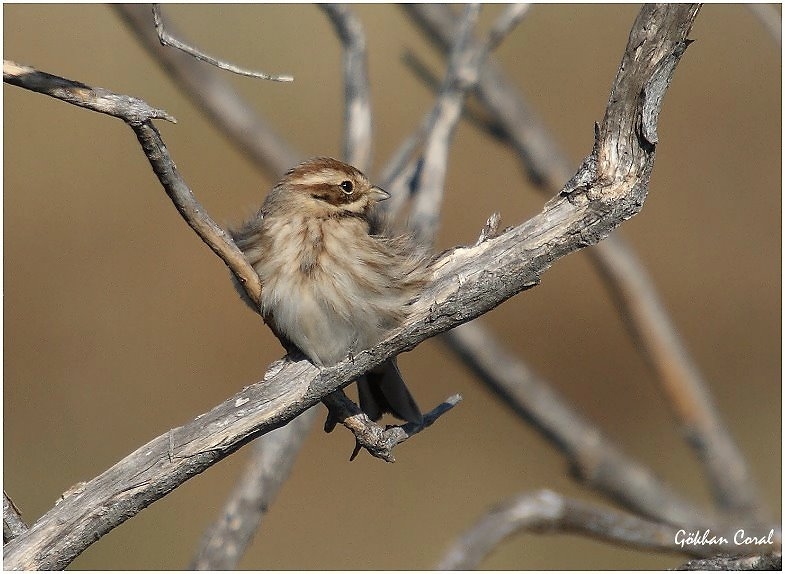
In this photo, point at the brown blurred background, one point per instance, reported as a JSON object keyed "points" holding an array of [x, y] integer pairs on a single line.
{"points": [[121, 324]]}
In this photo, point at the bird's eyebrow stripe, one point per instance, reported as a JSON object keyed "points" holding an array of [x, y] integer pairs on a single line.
{"points": [[316, 177]]}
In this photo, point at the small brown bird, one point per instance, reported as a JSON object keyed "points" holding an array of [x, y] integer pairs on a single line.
{"points": [[330, 285]]}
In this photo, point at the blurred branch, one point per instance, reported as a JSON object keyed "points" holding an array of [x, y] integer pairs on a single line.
{"points": [[462, 70], [545, 512], [212, 93], [771, 18], [466, 59], [272, 458], [627, 279], [13, 523], [593, 458], [358, 142], [168, 39]]}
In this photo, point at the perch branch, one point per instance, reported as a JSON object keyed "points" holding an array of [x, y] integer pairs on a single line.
{"points": [[467, 282], [168, 39], [546, 512], [273, 455], [682, 383], [211, 92], [13, 523], [358, 142]]}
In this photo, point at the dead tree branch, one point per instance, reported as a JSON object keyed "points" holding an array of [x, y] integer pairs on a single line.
{"points": [[545, 512], [593, 457], [170, 40], [632, 288], [212, 93], [13, 523], [727, 563], [357, 143]]}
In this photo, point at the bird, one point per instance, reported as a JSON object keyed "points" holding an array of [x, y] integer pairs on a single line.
{"points": [[333, 283]]}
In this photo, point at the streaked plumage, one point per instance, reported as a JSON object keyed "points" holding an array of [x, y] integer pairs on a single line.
{"points": [[329, 286]]}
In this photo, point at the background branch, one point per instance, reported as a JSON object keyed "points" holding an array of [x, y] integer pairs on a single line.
{"points": [[546, 512], [272, 457], [357, 105], [212, 93], [625, 277]]}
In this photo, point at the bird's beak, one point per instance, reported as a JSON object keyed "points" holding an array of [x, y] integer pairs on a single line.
{"points": [[378, 194]]}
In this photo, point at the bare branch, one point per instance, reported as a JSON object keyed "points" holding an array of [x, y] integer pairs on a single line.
{"points": [[462, 72], [770, 18], [378, 441], [545, 512], [647, 319], [209, 90], [435, 131], [592, 456], [13, 523], [681, 380], [357, 144], [217, 238], [129, 109], [505, 24], [727, 563], [168, 39], [226, 540]]}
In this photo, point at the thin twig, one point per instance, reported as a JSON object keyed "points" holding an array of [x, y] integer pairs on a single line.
{"points": [[682, 383], [209, 89], [13, 523], [377, 440], [272, 458], [545, 512], [168, 39], [357, 144]]}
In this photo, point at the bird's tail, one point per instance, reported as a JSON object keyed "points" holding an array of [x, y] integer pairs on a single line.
{"points": [[382, 390]]}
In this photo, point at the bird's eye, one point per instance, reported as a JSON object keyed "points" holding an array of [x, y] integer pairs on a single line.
{"points": [[347, 187]]}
